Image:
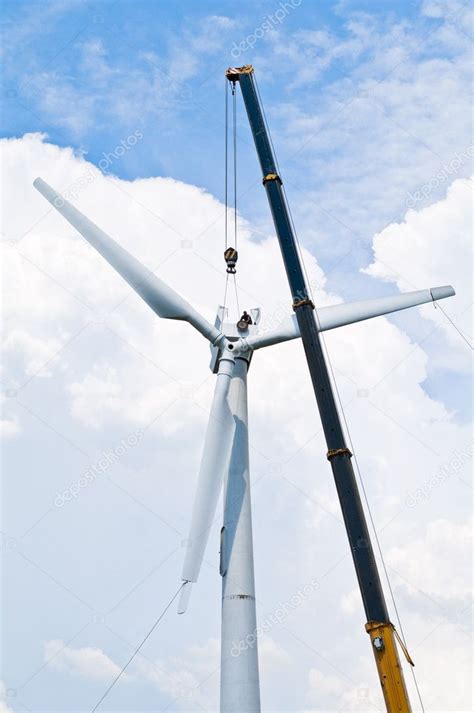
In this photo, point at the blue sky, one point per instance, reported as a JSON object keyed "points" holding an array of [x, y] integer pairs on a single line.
{"points": [[369, 108], [142, 39], [90, 75], [78, 72]]}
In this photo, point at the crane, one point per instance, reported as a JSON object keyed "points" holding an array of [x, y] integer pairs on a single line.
{"points": [[382, 632], [225, 455]]}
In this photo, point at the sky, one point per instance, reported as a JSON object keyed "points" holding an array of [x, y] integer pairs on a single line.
{"points": [[120, 106]]}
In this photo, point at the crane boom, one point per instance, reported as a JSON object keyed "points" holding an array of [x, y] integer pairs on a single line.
{"points": [[378, 626]]}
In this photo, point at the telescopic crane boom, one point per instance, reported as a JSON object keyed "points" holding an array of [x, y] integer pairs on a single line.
{"points": [[381, 631]]}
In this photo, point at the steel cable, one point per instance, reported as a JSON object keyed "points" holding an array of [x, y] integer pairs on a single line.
{"points": [[122, 670]]}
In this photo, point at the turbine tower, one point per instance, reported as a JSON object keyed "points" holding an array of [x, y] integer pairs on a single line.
{"points": [[225, 457]]}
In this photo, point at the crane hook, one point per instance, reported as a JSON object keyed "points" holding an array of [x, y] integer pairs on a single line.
{"points": [[231, 256]]}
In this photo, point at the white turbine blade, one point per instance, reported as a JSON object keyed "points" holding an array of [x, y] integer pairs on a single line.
{"points": [[348, 313], [184, 597], [214, 462], [162, 299], [288, 329], [339, 315]]}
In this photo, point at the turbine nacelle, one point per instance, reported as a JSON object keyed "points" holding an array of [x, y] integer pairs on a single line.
{"points": [[235, 333]]}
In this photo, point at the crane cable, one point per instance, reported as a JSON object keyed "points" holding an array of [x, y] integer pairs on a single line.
{"points": [[226, 160], [341, 409], [234, 131], [230, 253], [226, 181], [458, 330]]}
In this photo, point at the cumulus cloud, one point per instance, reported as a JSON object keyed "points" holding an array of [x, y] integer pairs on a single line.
{"points": [[272, 656], [87, 661], [193, 677], [159, 86], [320, 684], [418, 567], [116, 364], [182, 677], [9, 428], [368, 124], [9, 425], [38, 353], [334, 690], [432, 245], [4, 708]]}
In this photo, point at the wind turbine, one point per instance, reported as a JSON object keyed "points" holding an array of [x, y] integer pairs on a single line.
{"points": [[225, 457]]}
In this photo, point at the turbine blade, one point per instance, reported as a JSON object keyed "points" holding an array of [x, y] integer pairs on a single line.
{"points": [[214, 463], [348, 313], [184, 597], [163, 300], [339, 315], [288, 329]]}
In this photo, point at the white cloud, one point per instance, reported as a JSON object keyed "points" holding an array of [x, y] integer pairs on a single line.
{"points": [[9, 428], [182, 677], [451, 639], [9, 422], [125, 366], [368, 125], [432, 247], [193, 677], [4, 708], [105, 395], [87, 662], [38, 353], [350, 602], [321, 684], [337, 693], [97, 397], [101, 86], [272, 656], [384, 105], [418, 562]]}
